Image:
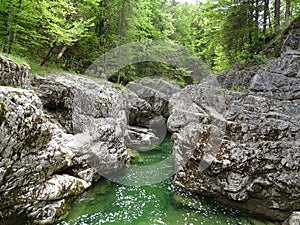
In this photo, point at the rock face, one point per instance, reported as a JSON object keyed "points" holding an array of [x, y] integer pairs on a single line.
{"points": [[147, 102], [14, 74], [153, 99], [41, 164], [29, 151], [94, 113], [294, 219], [243, 147]]}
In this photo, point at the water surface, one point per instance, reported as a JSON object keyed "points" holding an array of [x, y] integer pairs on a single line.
{"points": [[117, 204]]}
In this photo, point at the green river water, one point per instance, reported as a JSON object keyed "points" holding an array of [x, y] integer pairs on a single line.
{"points": [[117, 204]]}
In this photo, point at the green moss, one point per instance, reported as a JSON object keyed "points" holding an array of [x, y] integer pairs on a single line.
{"points": [[41, 119], [3, 111], [239, 89], [135, 157], [15, 58]]}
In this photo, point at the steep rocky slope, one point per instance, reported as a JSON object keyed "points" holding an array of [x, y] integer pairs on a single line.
{"points": [[55, 141], [237, 136]]}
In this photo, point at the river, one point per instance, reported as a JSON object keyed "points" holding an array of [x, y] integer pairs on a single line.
{"points": [[118, 204]]}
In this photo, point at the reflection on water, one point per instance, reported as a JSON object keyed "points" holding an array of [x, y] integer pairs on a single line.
{"points": [[117, 204]]}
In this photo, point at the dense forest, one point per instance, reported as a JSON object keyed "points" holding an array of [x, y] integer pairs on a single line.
{"points": [[71, 34]]}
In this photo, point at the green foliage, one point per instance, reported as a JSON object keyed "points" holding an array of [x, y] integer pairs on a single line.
{"points": [[72, 34], [61, 23], [135, 157], [179, 76], [239, 89], [16, 58]]}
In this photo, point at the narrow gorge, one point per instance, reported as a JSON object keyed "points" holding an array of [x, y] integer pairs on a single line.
{"points": [[235, 136]]}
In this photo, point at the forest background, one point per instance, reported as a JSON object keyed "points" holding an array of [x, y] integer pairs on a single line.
{"points": [[71, 34]]}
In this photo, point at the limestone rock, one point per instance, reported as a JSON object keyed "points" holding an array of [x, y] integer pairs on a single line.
{"points": [[14, 74], [294, 219], [287, 65], [35, 149], [157, 100], [235, 77], [29, 149], [94, 113], [74, 101], [139, 110], [148, 106], [291, 45], [58, 187], [141, 139], [162, 86], [43, 213], [242, 154], [156, 93], [242, 147]]}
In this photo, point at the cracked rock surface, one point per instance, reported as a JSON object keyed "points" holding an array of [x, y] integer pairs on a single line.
{"points": [[236, 138]]}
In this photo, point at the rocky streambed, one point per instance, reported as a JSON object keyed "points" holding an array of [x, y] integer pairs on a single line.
{"points": [[235, 136]]}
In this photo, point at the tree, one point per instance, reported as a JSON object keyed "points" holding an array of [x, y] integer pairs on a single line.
{"points": [[61, 25], [287, 12], [18, 26], [277, 15], [184, 25]]}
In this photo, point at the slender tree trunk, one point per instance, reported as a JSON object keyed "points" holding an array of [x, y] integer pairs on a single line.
{"points": [[277, 15], [251, 21], [14, 35], [6, 47], [287, 12], [265, 19], [122, 34], [62, 51], [257, 14], [48, 56]]}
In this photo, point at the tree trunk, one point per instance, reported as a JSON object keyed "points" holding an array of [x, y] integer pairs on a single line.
{"points": [[61, 53], [104, 53], [251, 21], [122, 34], [287, 12], [7, 42], [277, 15], [257, 10], [48, 56], [266, 12], [13, 37]]}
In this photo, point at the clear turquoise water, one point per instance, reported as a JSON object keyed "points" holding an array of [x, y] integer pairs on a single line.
{"points": [[117, 204]]}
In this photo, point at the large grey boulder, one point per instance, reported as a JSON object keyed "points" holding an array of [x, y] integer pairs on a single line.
{"points": [[156, 93], [74, 101], [30, 153], [139, 110], [147, 110], [41, 165], [241, 147], [13, 74], [94, 113], [294, 219]]}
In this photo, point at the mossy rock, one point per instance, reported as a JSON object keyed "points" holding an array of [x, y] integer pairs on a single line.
{"points": [[3, 111], [135, 157]]}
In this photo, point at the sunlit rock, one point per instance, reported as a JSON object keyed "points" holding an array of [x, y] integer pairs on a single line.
{"points": [[294, 219], [237, 139], [14, 74]]}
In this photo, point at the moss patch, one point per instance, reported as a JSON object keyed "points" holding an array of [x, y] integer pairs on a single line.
{"points": [[3, 112]]}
